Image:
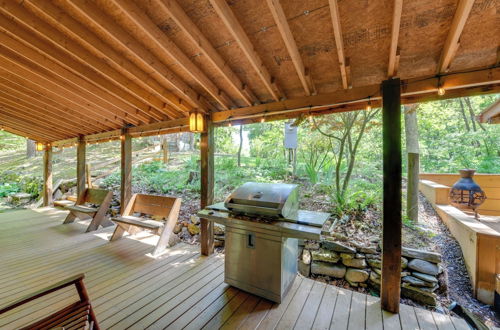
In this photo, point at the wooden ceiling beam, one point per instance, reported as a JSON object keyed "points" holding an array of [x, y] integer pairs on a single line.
{"points": [[231, 22], [175, 11], [452, 41], [38, 74], [19, 122], [92, 51], [27, 86], [393, 52], [140, 54], [49, 107], [92, 92], [31, 110], [339, 43], [415, 90], [291, 45], [159, 38]]}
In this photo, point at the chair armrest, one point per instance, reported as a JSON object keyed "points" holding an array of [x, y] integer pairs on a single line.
{"points": [[40, 293]]}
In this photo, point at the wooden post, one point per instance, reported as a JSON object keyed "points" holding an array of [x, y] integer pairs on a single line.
{"points": [[391, 232], [207, 147], [47, 176], [126, 168], [412, 150], [164, 147], [89, 177], [80, 167]]}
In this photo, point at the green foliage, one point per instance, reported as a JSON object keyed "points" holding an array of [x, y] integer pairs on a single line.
{"points": [[7, 189]]}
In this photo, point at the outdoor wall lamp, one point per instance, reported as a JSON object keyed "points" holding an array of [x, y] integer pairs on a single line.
{"points": [[40, 146], [196, 122]]}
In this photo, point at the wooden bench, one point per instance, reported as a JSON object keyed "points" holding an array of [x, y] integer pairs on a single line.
{"points": [[97, 214], [78, 315], [164, 210]]}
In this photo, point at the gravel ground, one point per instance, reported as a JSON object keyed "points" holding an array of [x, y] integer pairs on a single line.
{"points": [[459, 287]]}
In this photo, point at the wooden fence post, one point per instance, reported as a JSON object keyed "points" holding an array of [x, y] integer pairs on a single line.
{"points": [[391, 236], [126, 169], [80, 167], [47, 176], [207, 147]]}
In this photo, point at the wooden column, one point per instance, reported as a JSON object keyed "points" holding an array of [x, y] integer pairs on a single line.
{"points": [[80, 167], [413, 157], [391, 236], [47, 176], [207, 147], [126, 168]]}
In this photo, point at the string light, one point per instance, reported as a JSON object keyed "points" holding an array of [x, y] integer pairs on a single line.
{"points": [[369, 105], [441, 91], [262, 119]]}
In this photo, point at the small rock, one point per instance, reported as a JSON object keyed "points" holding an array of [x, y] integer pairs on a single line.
{"points": [[312, 245], [219, 229], [373, 256], [425, 277], [421, 254], [157, 217], [356, 263], [353, 284], [324, 268], [375, 278], [346, 256], [377, 270], [220, 237], [423, 266], [173, 239], [356, 275], [177, 228], [325, 255], [359, 256], [377, 263], [306, 257], [368, 249], [414, 281], [195, 220], [193, 229], [419, 295], [304, 269], [335, 246]]}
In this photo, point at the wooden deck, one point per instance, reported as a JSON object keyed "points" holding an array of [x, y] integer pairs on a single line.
{"points": [[181, 289]]}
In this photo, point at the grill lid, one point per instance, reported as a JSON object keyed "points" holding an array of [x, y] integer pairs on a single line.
{"points": [[269, 199]]}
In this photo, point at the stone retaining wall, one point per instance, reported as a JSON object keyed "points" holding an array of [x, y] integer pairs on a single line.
{"points": [[360, 266]]}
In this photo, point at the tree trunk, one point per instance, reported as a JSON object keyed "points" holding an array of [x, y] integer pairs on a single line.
{"points": [[472, 114], [412, 149], [241, 145], [30, 148], [164, 147], [462, 109]]}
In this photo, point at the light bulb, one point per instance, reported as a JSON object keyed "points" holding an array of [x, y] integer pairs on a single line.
{"points": [[441, 91], [262, 119], [368, 107]]}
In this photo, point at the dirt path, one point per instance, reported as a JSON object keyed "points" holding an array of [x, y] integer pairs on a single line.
{"points": [[459, 287]]}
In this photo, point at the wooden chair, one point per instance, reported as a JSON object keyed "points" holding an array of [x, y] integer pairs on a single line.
{"points": [[164, 209], [98, 214], [78, 315]]}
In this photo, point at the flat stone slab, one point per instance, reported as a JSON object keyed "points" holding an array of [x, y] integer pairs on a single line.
{"points": [[423, 266], [425, 277], [324, 268], [325, 255], [355, 263], [337, 247], [356, 275], [416, 281], [420, 254]]}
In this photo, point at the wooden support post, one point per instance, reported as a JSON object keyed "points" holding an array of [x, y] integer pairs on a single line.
{"points": [[47, 176], [89, 177], [391, 236], [412, 150], [126, 168], [207, 146], [80, 167]]}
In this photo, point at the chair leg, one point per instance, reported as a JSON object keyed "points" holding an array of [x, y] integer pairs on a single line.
{"points": [[107, 223], [94, 224], [69, 218], [118, 233], [162, 243]]}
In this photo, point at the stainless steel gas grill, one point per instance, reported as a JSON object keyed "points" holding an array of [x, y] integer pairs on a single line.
{"points": [[263, 225]]}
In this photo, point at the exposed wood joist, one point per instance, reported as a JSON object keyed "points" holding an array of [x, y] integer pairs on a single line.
{"points": [[16, 121], [90, 50], [452, 41], [291, 45], [28, 57], [167, 46], [175, 11], [491, 114], [339, 44], [28, 134], [140, 55], [236, 30], [413, 90], [393, 52]]}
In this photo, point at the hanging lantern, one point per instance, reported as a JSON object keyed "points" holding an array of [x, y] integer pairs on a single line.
{"points": [[466, 193], [196, 122], [39, 146]]}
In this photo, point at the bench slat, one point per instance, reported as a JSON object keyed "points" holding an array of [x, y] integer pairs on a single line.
{"points": [[139, 222], [81, 208]]}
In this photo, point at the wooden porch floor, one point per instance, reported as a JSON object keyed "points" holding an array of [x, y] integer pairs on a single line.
{"points": [[181, 289]]}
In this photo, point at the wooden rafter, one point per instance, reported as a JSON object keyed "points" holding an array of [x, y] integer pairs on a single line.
{"points": [[236, 30], [339, 43], [167, 46], [452, 41], [85, 45], [175, 11], [393, 52], [291, 45]]}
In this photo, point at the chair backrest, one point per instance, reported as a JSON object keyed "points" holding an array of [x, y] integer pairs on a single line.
{"points": [[78, 315], [95, 196], [153, 205]]}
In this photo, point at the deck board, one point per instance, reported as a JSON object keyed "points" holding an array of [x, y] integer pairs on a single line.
{"points": [[179, 290]]}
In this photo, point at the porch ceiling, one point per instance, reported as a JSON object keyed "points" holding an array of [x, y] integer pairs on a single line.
{"points": [[70, 68]]}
